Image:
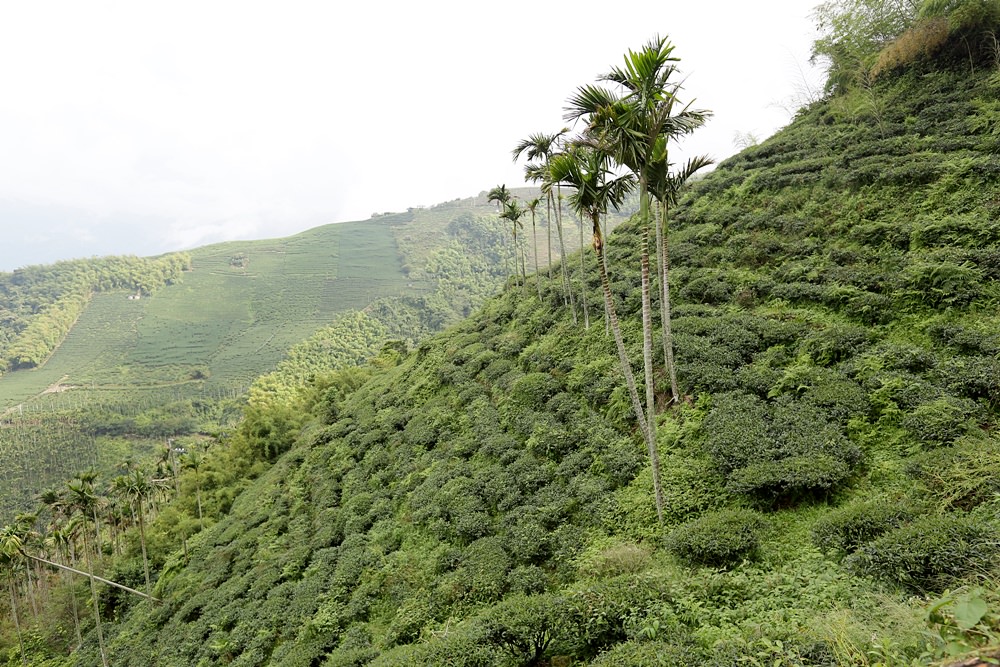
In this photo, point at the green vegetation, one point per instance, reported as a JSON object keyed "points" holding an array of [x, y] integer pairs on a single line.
{"points": [[178, 355], [828, 487]]}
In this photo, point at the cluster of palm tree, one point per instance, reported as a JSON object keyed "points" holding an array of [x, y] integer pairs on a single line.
{"points": [[84, 524], [630, 118]]}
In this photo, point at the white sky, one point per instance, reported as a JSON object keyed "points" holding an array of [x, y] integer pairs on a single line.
{"points": [[139, 127]]}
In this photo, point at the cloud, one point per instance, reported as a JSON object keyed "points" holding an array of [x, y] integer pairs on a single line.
{"points": [[223, 119]]}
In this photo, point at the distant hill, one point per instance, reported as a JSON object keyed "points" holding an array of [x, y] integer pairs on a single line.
{"points": [[137, 363]]}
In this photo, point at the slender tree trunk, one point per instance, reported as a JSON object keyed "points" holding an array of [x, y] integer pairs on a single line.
{"points": [[583, 281], [93, 595], [31, 593], [647, 353], [548, 228], [71, 558], [524, 267], [562, 254], [99, 549], [665, 317], [197, 495], [609, 306], [607, 316], [534, 239], [17, 620], [142, 542]]}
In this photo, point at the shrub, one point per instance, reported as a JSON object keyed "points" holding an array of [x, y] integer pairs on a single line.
{"points": [[534, 389], [789, 477], [836, 343], [718, 539], [652, 654], [707, 289], [928, 554], [960, 477], [524, 627], [776, 451], [942, 421], [846, 528]]}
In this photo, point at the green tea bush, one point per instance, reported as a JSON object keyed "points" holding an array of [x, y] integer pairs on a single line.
{"points": [[974, 377], [776, 451], [846, 528], [965, 339], [836, 343], [929, 554], [637, 653], [789, 478], [961, 477], [839, 397], [718, 539], [601, 614], [534, 389], [711, 289], [942, 421], [525, 628]]}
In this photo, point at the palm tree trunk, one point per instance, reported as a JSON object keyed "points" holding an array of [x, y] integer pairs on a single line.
{"points": [[71, 558], [665, 317], [562, 254], [142, 541], [583, 281], [197, 495], [534, 239], [93, 595], [17, 621], [609, 306], [31, 593], [548, 228], [647, 355]]}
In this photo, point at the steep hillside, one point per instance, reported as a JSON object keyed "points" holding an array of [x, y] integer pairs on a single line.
{"points": [[832, 471], [145, 357]]}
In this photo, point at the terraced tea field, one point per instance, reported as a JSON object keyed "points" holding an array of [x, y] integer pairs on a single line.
{"points": [[230, 319]]}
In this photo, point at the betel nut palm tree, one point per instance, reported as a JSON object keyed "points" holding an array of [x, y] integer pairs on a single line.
{"points": [[539, 148], [635, 124], [513, 212], [596, 188], [10, 562], [501, 195]]}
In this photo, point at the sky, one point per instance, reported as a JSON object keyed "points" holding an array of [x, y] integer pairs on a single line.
{"points": [[141, 126]]}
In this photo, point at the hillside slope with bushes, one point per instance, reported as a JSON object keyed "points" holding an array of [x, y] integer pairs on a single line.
{"points": [[830, 477]]}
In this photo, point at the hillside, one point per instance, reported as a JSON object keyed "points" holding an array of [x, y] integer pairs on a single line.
{"points": [[830, 477], [140, 360]]}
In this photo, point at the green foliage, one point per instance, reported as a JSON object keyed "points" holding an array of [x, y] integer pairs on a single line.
{"points": [[776, 451], [847, 528], [942, 421], [930, 553], [651, 654], [718, 539], [964, 476], [484, 501], [852, 33]]}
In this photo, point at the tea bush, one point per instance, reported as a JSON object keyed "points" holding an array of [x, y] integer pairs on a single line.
{"points": [[929, 554], [718, 539], [846, 528]]}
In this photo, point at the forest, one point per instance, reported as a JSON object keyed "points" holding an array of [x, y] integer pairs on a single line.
{"points": [[756, 423]]}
